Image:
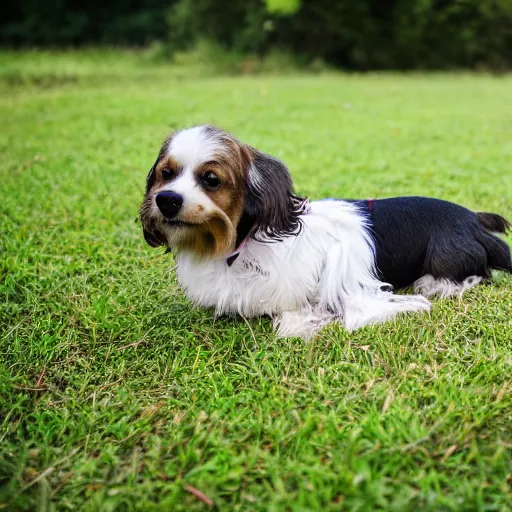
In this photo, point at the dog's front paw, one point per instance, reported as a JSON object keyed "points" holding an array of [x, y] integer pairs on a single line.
{"points": [[371, 310], [300, 324], [411, 302]]}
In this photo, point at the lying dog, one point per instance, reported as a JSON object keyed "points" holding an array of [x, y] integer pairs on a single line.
{"points": [[246, 244]]}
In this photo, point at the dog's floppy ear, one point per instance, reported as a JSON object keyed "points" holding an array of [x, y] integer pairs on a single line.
{"points": [[153, 236], [151, 177], [269, 200]]}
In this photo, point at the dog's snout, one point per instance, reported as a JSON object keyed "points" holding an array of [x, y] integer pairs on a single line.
{"points": [[169, 203]]}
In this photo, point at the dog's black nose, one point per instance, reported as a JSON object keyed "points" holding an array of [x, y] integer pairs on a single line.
{"points": [[169, 203]]}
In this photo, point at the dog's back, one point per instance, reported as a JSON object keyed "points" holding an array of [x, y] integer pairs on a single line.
{"points": [[418, 236]]}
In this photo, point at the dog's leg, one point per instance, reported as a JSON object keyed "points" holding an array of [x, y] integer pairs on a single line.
{"points": [[455, 262], [351, 292], [375, 309], [301, 324], [429, 286]]}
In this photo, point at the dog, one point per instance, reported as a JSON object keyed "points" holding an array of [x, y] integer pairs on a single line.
{"points": [[246, 244]]}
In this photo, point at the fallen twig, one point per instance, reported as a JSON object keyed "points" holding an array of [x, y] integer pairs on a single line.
{"points": [[134, 344], [26, 388], [40, 379], [198, 494]]}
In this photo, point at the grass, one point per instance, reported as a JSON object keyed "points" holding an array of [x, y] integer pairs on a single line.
{"points": [[115, 394]]}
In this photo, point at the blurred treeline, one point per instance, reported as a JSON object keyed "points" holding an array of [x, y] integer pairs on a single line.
{"points": [[354, 34]]}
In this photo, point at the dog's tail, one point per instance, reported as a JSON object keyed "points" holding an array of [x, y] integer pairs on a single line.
{"points": [[493, 222], [498, 252]]}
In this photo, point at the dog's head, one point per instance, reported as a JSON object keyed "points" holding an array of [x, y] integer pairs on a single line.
{"points": [[207, 191]]}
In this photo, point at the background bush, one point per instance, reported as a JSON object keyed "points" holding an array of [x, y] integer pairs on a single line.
{"points": [[354, 34], [73, 22]]}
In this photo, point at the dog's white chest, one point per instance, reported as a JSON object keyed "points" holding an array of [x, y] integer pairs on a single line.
{"points": [[264, 279]]}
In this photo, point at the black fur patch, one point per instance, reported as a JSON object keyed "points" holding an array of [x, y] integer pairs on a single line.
{"points": [[493, 222], [270, 202], [415, 236], [150, 178], [154, 238]]}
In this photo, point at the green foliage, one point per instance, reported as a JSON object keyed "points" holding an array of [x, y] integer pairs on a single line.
{"points": [[74, 22], [212, 59], [235, 26], [371, 34], [470, 33], [116, 394], [362, 34], [282, 6]]}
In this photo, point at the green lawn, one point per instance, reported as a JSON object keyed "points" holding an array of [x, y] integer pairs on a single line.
{"points": [[115, 394]]}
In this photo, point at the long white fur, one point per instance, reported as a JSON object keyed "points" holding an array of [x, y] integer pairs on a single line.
{"points": [[193, 147], [326, 273], [429, 286]]}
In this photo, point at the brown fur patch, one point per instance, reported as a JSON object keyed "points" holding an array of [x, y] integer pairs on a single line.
{"points": [[231, 165], [214, 238], [169, 164]]}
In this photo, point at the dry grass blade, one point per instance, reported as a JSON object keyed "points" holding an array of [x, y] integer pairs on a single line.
{"points": [[387, 402], [199, 495]]}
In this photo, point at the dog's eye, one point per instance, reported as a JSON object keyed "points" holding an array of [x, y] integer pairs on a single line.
{"points": [[210, 180], [167, 174]]}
